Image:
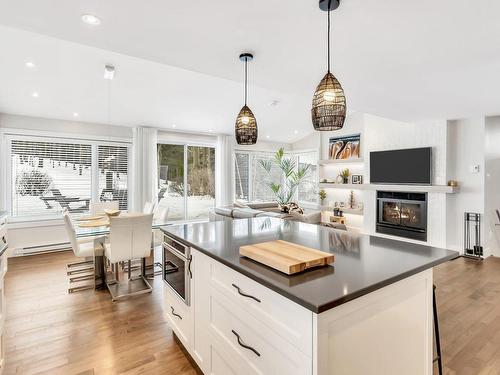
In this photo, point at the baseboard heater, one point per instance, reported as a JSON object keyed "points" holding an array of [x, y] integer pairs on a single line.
{"points": [[41, 249]]}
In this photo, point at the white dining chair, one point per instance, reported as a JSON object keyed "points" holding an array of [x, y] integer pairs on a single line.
{"points": [[97, 208], [129, 238], [161, 213], [148, 208], [160, 216], [81, 249]]}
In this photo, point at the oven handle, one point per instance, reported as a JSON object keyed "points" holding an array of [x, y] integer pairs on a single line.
{"points": [[189, 266], [175, 267]]}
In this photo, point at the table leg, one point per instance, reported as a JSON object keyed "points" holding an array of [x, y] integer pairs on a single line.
{"points": [[99, 282]]}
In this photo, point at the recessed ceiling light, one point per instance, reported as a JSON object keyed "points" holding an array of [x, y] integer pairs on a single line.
{"points": [[89, 19], [267, 136], [30, 64], [35, 95], [210, 130], [174, 126], [76, 114], [296, 132]]}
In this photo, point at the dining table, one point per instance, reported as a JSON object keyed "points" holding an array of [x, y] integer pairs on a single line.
{"points": [[96, 227]]}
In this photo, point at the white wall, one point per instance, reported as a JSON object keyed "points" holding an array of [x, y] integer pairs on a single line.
{"points": [[466, 142], [63, 127], [264, 146], [309, 142], [492, 186]]}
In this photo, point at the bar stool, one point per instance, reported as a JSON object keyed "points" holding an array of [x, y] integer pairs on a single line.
{"points": [[438, 357]]}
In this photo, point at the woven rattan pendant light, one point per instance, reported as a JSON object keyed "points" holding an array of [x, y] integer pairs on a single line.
{"points": [[246, 125], [328, 104]]}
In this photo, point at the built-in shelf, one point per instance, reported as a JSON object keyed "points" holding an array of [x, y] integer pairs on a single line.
{"points": [[340, 161], [410, 188], [353, 211]]}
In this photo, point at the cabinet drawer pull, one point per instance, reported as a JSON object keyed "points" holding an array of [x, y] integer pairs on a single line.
{"points": [[245, 295], [243, 345], [175, 314]]}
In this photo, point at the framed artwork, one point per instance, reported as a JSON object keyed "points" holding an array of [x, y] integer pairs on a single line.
{"points": [[357, 179], [343, 148]]}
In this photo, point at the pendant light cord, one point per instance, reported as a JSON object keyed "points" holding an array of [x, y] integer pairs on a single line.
{"points": [[246, 61], [328, 47]]}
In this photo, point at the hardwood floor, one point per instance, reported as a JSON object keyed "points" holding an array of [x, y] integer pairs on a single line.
{"points": [[468, 296], [51, 332]]}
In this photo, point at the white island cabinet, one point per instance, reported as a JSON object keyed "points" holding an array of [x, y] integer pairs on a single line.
{"points": [[235, 325]]}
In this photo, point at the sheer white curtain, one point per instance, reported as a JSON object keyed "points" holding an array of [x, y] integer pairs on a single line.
{"points": [[224, 181], [144, 167]]}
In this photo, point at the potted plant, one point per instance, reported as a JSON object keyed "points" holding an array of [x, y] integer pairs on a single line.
{"points": [[322, 196], [344, 174], [293, 175]]}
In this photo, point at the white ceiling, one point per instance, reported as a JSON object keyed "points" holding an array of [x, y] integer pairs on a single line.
{"points": [[403, 59]]}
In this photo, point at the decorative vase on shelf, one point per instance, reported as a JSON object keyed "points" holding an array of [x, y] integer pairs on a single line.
{"points": [[344, 174]]}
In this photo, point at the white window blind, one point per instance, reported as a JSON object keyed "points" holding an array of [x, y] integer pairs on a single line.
{"points": [[241, 175], [308, 189], [252, 181], [113, 174], [47, 177], [261, 192]]}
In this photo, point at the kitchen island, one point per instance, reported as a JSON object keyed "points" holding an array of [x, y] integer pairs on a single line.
{"points": [[368, 313]]}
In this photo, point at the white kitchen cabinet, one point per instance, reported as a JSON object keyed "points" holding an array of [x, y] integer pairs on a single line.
{"points": [[179, 316], [251, 330], [242, 335]]}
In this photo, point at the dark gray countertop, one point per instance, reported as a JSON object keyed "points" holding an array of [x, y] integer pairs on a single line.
{"points": [[362, 265]]}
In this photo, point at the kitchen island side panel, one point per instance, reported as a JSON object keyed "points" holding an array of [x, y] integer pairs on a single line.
{"points": [[389, 331]]}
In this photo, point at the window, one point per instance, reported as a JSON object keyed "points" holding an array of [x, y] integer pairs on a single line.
{"points": [[242, 171], [47, 176], [261, 179], [113, 174], [252, 181], [307, 191], [186, 180]]}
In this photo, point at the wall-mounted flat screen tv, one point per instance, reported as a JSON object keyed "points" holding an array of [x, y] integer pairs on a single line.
{"points": [[409, 166]]}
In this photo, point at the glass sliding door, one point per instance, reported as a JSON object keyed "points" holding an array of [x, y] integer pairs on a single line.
{"points": [[171, 179], [201, 181], [186, 180]]}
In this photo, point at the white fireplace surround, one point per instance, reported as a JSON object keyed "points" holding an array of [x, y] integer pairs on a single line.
{"points": [[381, 134]]}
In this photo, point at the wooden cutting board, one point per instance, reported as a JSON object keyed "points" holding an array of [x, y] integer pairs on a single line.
{"points": [[285, 256]]}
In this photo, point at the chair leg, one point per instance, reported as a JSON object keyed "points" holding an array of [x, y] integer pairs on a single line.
{"points": [[81, 278], [121, 289], [87, 273], [436, 332], [80, 288], [76, 264], [80, 270]]}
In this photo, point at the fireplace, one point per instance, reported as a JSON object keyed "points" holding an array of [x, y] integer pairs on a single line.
{"points": [[402, 214]]}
